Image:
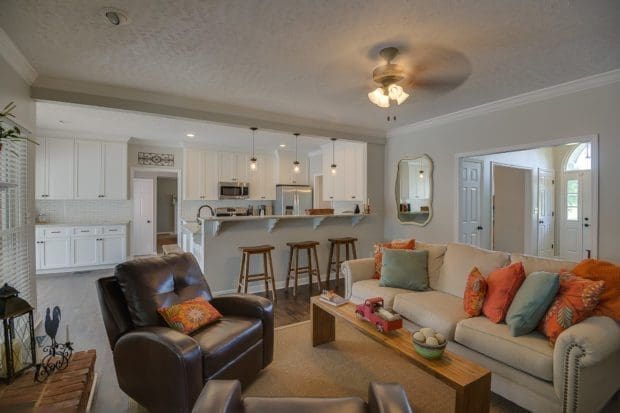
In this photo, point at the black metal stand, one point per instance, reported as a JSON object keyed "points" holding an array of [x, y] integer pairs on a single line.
{"points": [[57, 358]]}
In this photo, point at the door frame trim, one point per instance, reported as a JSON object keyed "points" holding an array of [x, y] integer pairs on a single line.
{"points": [[593, 139]]}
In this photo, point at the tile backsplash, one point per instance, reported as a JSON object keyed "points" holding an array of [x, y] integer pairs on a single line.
{"points": [[84, 212], [189, 208]]}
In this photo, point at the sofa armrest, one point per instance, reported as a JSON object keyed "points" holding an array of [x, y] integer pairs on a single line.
{"points": [[220, 396], [250, 306], [357, 270], [160, 368], [585, 360], [387, 398]]}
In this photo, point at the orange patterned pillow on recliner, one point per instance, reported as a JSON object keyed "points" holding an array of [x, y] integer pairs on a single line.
{"points": [[405, 244], [190, 315], [596, 270], [575, 301]]}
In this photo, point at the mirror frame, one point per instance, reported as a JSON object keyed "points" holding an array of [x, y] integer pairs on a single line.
{"points": [[431, 189]]}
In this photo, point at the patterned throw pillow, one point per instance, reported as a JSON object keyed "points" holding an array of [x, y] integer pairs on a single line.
{"points": [[597, 270], [475, 292], [405, 244], [574, 303], [190, 315], [502, 286]]}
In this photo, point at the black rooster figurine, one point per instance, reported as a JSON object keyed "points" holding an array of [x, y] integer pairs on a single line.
{"points": [[52, 323]]}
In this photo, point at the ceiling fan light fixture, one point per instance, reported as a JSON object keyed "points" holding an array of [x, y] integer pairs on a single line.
{"points": [[397, 93], [379, 98]]}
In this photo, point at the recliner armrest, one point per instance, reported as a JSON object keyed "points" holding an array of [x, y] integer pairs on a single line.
{"points": [[250, 306], [387, 398], [220, 396], [160, 367]]}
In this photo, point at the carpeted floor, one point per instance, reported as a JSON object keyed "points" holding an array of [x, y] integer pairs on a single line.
{"points": [[345, 367]]}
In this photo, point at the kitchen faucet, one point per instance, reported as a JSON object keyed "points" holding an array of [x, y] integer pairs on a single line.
{"points": [[200, 209]]}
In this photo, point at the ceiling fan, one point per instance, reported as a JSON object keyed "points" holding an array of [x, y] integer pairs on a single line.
{"points": [[433, 68]]}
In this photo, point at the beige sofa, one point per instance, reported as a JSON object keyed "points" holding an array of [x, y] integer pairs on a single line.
{"points": [[579, 374]]}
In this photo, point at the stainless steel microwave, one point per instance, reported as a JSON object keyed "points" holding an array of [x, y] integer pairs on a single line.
{"points": [[233, 190]]}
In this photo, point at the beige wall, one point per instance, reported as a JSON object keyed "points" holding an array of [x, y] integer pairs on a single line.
{"points": [[510, 202], [587, 112]]}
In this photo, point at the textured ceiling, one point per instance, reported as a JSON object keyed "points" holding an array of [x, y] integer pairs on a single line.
{"points": [[86, 121], [314, 59]]}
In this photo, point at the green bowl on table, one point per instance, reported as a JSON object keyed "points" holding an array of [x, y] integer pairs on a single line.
{"points": [[428, 351]]}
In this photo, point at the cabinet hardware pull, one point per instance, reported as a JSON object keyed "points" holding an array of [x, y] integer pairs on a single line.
{"points": [[55, 232], [112, 230], [84, 230]]}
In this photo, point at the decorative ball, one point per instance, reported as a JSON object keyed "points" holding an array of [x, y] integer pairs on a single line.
{"points": [[432, 341], [419, 336], [428, 332], [440, 338]]}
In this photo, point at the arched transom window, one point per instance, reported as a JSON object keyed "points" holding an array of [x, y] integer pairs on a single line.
{"points": [[580, 158]]}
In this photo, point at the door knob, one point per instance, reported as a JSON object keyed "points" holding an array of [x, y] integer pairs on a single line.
{"points": [[479, 228], [586, 225], [541, 222], [586, 219], [148, 221]]}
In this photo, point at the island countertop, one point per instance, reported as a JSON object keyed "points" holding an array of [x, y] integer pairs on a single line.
{"points": [[254, 217]]}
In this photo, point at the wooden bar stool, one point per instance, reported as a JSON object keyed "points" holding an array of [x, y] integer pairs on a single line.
{"points": [[267, 275], [347, 242], [310, 269]]}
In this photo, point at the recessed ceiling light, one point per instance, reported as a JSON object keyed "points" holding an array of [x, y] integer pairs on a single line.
{"points": [[64, 122], [282, 145], [114, 16], [190, 135]]}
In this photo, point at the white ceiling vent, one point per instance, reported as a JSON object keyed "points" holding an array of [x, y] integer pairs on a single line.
{"points": [[115, 17]]}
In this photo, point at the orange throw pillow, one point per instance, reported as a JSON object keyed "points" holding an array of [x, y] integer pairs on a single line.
{"points": [[190, 315], [596, 270], [574, 303], [475, 291], [405, 244], [502, 286]]}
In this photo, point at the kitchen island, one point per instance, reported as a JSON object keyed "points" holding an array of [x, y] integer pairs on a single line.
{"points": [[220, 237]]}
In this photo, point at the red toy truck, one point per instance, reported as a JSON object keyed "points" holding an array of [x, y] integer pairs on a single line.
{"points": [[372, 311]]}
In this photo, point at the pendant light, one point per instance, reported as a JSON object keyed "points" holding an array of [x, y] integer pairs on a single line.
{"points": [[296, 168], [333, 156], [253, 158]]}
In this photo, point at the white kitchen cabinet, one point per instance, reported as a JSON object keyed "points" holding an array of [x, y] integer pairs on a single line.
{"points": [[112, 249], [350, 181], [80, 169], [85, 251], [200, 175], [262, 183], [68, 248], [54, 169], [233, 166], [285, 172], [88, 169], [114, 179]]}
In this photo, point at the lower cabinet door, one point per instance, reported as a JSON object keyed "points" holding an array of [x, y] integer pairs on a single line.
{"points": [[84, 251], [56, 253], [113, 250]]}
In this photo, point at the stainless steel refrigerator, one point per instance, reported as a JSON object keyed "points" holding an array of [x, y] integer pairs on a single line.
{"points": [[292, 199]]}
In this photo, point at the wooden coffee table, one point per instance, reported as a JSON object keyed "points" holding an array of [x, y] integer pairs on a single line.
{"points": [[471, 382]]}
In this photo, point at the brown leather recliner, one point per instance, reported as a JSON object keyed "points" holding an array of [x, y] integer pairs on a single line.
{"points": [[224, 396], [165, 370]]}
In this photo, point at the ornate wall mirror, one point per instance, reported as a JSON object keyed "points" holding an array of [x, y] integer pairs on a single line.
{"points": [[414, 190]]}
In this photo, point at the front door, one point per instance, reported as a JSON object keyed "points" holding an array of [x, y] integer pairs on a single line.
{"points": [[576, 237], [546, 213], [470, 228], [143, 234]]}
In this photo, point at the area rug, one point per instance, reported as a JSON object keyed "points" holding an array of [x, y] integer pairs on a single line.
{"points": [[345, 367]]}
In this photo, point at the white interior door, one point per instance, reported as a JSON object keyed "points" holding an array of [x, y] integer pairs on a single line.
{"points": [[576, 234], [143, 234], [546, 213], [470, 200]]}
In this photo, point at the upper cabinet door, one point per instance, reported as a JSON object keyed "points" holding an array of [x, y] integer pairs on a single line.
{"points": [[340, 180], [114, 184], [88, 169], [59, 157], [355, 167], [193, 176], [328, 177], [262, 183], [227, 163], [40, 173], [242, 162], [210, 175]]}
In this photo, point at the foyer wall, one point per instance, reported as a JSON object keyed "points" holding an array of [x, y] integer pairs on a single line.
{"points": [[586, 112]]}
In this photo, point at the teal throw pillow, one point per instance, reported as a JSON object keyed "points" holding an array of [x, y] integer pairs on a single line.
{"points": [[531, 302], [404, 269]]}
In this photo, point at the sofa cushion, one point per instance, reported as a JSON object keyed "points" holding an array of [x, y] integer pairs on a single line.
{"points": [[364, 289], [434, 309], [226, 340], [404, 269], [530, 353], [458, 262], [533, 264], [436, 253]]}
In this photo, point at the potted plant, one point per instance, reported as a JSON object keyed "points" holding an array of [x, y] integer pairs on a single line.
{"points": [[12, 134]]}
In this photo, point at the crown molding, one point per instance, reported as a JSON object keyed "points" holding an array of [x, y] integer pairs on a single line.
{"points": [[573, 86], [68, 134], [15, 58]]}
